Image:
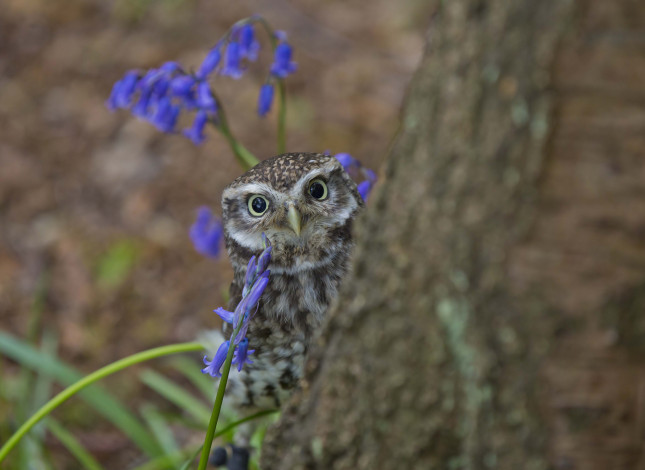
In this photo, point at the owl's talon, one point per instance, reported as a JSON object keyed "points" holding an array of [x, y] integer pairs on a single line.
{"points": [[219, 457], [239, 458]]}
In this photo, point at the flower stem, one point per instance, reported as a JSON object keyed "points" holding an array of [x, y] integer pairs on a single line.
{"points": [[267, 27], [243, 156], [282, 117], [90, 379], [219, 398]]}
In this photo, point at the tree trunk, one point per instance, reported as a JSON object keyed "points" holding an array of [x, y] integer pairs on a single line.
{"points": [[496, 315]]}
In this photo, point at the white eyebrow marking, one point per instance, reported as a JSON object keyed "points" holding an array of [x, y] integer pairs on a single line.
{"points": [[252, 188]]}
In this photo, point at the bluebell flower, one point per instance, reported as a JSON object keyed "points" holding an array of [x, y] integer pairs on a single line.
{"points": [[181, 85], [160, 95], [368, 184], [282, 65], [206, 233], [266, 99], [196, 131], [370, 175], [249, 46], [170, 67], [364, 189], [357, 171], [121, 96], [250, 275], [211, 61], [148, 81], [152, 88], [213, 367], [165, 115], [142, 106], [280, 35], [255, 282], [264, 260], [346, 160], [242, 353], [255, 293], [228, 317], [161, 85], [205, 98], [247, 307], [232, 67]]}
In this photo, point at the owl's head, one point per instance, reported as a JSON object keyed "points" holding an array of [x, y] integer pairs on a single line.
{"points": [[303, 202]]}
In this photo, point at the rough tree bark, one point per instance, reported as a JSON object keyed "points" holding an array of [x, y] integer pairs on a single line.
{"points": [[496, 318]]}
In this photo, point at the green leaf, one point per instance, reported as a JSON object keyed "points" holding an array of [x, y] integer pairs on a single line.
{"points": [[43, 386], [103, 402], [33, 396], [258, 438], [159, 461], [72, 445], [191, 459], [159, 427], [115, 265], [191, 370], [177, 395], [258, 415]]}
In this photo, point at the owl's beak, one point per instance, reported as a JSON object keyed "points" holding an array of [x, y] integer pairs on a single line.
{"points": [[293, 216]]}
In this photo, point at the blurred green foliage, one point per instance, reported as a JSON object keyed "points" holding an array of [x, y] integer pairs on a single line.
{"points": [[114, 266]]}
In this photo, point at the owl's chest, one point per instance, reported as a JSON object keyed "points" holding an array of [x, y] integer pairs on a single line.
{"points": [[291, 310], [300, 299], [297, 298]]}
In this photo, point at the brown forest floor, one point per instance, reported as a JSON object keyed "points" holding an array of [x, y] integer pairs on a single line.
{"points": [[100, 203]]}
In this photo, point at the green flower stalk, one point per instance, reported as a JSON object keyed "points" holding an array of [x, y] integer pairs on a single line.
{"points": [[236, 349]]}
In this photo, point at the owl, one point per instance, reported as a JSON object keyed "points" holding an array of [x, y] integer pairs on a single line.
{"points": [[306, 204]]}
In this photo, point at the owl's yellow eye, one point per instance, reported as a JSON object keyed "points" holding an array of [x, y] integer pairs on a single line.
{"points": [[258, 205], [318, 189]]}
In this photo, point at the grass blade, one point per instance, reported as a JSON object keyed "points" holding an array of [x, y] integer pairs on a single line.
{"points": [[191, 459], [103, 402], [257, 415], [161, 462], [72, 445], [43, 386], [192, 372], [177, 395], [90, 379], [159, 427]]}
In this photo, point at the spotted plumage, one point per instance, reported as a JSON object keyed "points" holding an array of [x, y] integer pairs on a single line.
{"points": [[306, 204]]}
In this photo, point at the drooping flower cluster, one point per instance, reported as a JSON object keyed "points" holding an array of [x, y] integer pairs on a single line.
{"points": [[207, 233], [281, 68], [160, 95], [358, 171], [256, 280]]}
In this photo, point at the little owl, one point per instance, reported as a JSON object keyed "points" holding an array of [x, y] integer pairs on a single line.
{"points": [[305, 203]]}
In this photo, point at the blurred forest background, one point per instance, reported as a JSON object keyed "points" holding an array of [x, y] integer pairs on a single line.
{"points": [[95, 206]]}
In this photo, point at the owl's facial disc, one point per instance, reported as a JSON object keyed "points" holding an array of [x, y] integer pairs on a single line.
{"points": [[299, 211]]}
